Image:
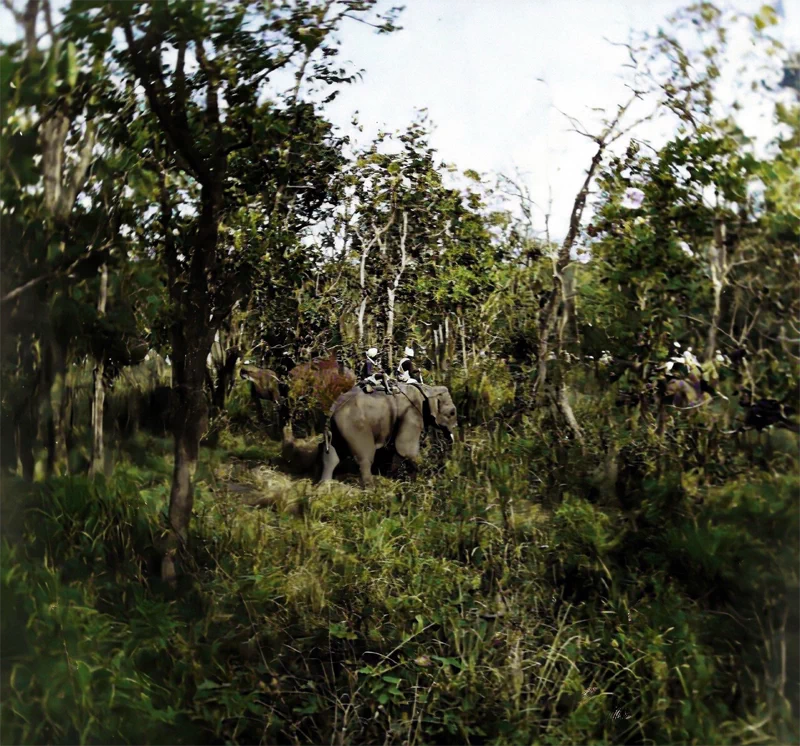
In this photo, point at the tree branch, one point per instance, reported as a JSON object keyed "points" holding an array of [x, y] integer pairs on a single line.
{"points": [[18, 17], [78, 175], [179, 137], [211, 71], [58, 272]]}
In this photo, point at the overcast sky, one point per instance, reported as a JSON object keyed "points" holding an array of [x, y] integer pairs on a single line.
{"points": [[477, 66], [494, 73]]}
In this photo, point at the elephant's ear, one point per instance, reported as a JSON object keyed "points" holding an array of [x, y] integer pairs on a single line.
{"points": [[433, 403]]}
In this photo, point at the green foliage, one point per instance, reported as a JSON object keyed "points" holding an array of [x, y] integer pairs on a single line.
{"points": [[459, 607], [636, 587], [486, 390]]}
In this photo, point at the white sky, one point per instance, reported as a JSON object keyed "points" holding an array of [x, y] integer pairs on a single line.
{"points": [[474, 65]]}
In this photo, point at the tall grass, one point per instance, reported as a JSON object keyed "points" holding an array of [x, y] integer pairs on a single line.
{"points": [[525, 591]]}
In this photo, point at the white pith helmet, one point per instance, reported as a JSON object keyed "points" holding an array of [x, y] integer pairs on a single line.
{"points": [[409, 352], [372, 351]]}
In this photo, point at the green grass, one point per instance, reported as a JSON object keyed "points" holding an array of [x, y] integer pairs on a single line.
{"points": [[513, 596]]}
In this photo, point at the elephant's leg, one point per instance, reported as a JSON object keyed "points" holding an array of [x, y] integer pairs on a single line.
{"points": [[365, 465], [407, 446], [256, 399], [330, 460]]}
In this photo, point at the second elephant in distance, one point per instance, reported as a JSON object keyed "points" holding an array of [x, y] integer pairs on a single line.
{"points": [[265, 385], [360, 424]]}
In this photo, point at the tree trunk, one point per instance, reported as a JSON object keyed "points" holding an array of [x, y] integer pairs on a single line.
{"points": [[361, 311], [390, 329], [192, 336], [719, 273], [565, 408], [562, 260], [97, 464], [448, 344], [55, 412], [225, 379], [392, 291], [25, 416], [462, 327], [190, 420]]}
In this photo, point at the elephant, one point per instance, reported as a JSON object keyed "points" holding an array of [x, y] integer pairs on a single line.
{"points": [[362, 423], [265, 385]]}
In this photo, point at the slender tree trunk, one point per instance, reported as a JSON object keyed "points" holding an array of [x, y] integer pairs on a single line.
{"points": [[225, 379], [462, 327], [550, 311], [392, 292], [549, 314], [366, 247], [719, 273], [97, 464], [56, 412], [562, 398], [390, 328], [361, 311], [448, 346]]}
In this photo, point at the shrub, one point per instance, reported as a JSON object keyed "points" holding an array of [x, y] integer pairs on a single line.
{"points": [[483, 392], [314, 387]]}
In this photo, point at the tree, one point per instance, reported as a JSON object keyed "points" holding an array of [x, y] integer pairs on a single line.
{"points": [[50, 101], [208, 124]]}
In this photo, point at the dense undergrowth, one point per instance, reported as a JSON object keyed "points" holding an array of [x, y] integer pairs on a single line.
{"points": [[527, 591]]}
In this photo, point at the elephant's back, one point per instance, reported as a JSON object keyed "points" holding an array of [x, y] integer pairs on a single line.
{"points": [[343, 399]]}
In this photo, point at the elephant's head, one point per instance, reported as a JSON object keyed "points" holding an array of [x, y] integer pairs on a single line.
{"points": [[265, 381], [442, 409]]}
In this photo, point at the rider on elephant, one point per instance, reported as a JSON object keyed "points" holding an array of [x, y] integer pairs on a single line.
{"points": [[407, 370], [371, 370]]}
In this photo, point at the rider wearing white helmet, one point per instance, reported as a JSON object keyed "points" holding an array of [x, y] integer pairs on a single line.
{"points": [[371, 370], [407, 370]]}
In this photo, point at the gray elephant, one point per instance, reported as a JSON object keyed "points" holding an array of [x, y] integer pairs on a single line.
{"points": [[266, 386], [361, 423]]}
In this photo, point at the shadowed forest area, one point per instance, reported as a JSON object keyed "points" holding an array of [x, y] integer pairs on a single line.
{"points": [[195, 261]]}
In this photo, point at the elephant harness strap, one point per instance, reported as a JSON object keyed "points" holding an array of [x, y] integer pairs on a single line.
{"points": [[418, 386]]}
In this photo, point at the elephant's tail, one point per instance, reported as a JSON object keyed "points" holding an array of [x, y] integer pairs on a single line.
{"points": [[327, 435]]}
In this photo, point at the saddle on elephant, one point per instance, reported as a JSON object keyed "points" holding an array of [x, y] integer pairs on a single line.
{"points": [[367, 387], [387, 387]]}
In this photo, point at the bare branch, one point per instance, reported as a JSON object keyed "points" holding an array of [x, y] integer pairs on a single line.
{"points": [[48, 18], [29, 24], [361, 20], [18, 17], [577, 126], [16, 292], [212, 73]]}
